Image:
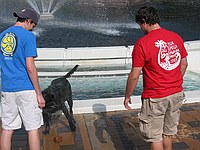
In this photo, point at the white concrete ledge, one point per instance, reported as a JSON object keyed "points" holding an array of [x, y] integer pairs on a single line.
{"points": [[114, 104], [103, 105]]}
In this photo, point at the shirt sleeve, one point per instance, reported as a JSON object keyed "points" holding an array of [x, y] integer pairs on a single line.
{"points": [[182, 48], [183, 51], [30, 46], [138, 57]]}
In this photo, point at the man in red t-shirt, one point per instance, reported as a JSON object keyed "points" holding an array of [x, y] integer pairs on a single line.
{"points": [[161, 57]]}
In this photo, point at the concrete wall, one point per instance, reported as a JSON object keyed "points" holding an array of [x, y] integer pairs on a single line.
{"points": [[193, 48], [118, 55], [84, 56]]}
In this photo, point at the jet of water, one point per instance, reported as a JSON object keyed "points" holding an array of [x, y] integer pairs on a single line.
{"points": [[47, 7], [34, 5]]}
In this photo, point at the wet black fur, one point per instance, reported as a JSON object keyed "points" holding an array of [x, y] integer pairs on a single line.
{"points": [[55, 96]]}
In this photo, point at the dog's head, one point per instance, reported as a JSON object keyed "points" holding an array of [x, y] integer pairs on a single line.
{"points": [[48, 95]]}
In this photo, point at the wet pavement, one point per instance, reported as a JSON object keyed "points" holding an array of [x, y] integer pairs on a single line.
{"points": [[115, 130]]}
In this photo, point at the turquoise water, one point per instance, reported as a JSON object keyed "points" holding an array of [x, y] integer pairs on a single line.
{"points": [[113, 86]]}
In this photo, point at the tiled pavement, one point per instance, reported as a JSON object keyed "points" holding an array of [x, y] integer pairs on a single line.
{"points": [[117, 130]]}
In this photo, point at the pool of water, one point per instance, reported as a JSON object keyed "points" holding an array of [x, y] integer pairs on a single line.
{"points": [[113, 86]]}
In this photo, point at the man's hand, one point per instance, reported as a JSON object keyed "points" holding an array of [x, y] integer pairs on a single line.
{"points": [[131, 84], [41, 101], [127, 101]]}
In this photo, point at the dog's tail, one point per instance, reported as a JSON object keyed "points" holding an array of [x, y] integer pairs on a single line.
{"points": [[71, 72]]}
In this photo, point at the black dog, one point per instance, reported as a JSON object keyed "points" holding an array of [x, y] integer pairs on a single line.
{"points": [[55, 96]]}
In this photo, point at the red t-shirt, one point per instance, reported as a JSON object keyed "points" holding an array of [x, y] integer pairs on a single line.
{"points": [[160, 53]]}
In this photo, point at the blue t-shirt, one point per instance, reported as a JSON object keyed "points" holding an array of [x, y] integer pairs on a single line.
{"points": [[17, 44]]}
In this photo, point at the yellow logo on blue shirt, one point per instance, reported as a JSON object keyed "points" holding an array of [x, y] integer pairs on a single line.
{"points": [[8, 44]]}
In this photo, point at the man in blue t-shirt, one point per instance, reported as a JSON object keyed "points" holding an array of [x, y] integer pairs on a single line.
{"points": [[21, 99]]}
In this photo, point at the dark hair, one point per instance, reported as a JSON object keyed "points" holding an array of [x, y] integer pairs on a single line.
{"points": [[21, 19], [24, 19], [148, 15]]}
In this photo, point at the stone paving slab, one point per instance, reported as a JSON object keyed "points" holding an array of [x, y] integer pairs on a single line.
{"points": [[116, 130]]}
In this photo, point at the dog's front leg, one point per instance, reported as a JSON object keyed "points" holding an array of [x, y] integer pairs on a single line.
{"points": [[69, 118], [46, 118], [70, 102]]}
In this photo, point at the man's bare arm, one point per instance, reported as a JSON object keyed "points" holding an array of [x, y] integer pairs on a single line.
{"points": [[184, 65], [131, 84]]}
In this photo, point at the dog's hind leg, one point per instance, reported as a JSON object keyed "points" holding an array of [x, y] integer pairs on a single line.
{"points": [[69, 118]]}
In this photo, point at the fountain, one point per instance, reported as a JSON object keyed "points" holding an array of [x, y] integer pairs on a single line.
{"points": [[97, 23], [46, 8]]}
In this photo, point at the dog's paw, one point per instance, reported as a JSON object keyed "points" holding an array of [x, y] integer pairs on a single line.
{"points": [[45, 132]]}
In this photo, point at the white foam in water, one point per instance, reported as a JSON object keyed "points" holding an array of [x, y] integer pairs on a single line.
{"points": [[107, 28], [109, 31]]}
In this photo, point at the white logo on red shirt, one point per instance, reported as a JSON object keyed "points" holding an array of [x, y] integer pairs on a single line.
{"points": [[169, 55]]}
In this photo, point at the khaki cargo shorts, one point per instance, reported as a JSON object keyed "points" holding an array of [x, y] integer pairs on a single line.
{"points": [[18, 107], [160, 116]]}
